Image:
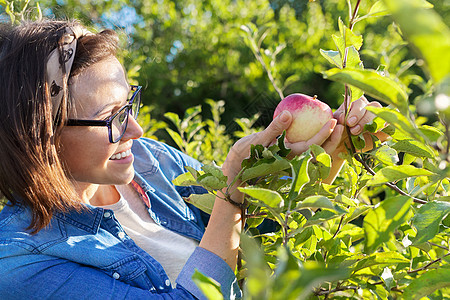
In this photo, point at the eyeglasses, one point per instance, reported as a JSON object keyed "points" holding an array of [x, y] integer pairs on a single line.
{"points": [[117, 123]]}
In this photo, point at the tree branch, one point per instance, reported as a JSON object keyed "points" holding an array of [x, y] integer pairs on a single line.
{"points": [[388, 184], [427, 265], [337, 289]]}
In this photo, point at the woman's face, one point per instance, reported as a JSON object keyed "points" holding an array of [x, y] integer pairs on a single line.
{"points": [[98, 92]]}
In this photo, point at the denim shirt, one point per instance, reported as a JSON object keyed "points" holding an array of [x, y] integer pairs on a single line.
{"points": [[87, 255]]}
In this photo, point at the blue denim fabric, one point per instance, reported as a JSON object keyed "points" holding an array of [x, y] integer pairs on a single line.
{"points": [[87, 255]]}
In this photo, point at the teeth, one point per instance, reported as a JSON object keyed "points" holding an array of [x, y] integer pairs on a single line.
{"points": [[120, 155]]}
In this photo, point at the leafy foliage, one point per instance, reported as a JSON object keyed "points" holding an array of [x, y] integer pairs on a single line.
{"points": [[381, 230]]}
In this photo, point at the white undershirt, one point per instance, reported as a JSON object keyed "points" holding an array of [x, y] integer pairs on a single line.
{"points": [[170, 249]]}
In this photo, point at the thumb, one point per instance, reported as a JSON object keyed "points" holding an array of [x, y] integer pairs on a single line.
{"points": [[276, 127]]}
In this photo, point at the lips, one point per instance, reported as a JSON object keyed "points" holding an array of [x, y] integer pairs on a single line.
{"points": [[121, 155]]}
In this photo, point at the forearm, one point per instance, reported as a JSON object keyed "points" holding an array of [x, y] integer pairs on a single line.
{"points": [[222, 235], [336, 166]]}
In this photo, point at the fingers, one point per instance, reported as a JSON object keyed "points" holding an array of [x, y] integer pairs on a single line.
{"points": [[318, 139], [275, 129], [355, 110], [335, 139], [359, 117], [241, 149]]}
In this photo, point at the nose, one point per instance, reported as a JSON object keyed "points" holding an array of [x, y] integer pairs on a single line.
{"points": [[133, 131]]}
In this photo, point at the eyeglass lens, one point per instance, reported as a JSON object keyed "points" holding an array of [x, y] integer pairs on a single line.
{"points": [[120, 121]]}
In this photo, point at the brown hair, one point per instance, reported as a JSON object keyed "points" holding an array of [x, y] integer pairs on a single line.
{"points": [[31, 172]]}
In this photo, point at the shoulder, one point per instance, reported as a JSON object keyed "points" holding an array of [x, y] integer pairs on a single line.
{"points": [[151, 155]]}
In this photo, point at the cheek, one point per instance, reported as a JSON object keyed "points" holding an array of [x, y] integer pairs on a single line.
{"points": [[83, 149]]}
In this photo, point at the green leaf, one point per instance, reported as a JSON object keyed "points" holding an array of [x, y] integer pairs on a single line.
{"points": [[351, 39], [355, 213], [302, 235], [386, 155], [375, 125], [174, 118], [215, 171], [397, 120], [380, 258], [204, 202], [378, 9], [319, 202], [353, 59], [333, 57], [432, 133], [394, 173], [427, 283], [380, 222], [423, 28], [211, 182], [373, 84], [414, 147], [295, 281], [300, 173], [176, 138], [185, 179], [193, 171], [339, 42], [322, 216], [258, 282], [323, 164], [209, 287], [428, 218], [268, 197], [358, 141], [282, 150], [264, 169]]}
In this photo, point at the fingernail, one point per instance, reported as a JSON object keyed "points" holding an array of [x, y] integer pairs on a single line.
{"points": [[356, 129], [284, 116], [351, 121], [333, 123]]}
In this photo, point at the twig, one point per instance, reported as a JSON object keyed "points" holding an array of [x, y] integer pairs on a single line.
{"points": [[337, 289], [389, 184], [437, 245], [269, 73], [256, 215], [427, 265], [339, 227]]}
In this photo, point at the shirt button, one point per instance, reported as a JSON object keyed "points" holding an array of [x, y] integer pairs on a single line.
{"points": [[107, 214], [121, 235], [167, 282], [116, 275]]}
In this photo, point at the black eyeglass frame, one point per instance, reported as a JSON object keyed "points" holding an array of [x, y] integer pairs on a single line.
{"points": [[78, 122]]}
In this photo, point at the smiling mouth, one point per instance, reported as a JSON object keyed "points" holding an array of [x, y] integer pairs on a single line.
{"points": [[121, 155]]}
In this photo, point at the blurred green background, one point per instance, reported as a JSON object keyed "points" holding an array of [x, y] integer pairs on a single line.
{"points": [[184, 52]]}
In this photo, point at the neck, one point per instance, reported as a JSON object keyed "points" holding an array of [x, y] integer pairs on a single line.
{"points": [[96, 194]]}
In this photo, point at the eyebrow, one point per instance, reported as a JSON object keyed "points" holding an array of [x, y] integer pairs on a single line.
{"points": [[111, 104]]}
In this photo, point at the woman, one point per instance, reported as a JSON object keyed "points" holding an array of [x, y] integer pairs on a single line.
{"points": [[92, 212]]}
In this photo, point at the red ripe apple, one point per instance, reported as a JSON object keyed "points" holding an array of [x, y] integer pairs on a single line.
{"points": [[309, 115]]}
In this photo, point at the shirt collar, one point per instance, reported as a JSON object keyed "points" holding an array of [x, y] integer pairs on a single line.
{"points": [[88, 218]]}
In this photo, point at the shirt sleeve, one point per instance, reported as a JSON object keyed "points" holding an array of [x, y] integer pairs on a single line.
{"points": [[212, 266], [38, 276]]}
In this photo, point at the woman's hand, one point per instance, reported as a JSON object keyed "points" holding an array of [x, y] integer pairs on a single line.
{"points": [[267, 137], [358, 116]]}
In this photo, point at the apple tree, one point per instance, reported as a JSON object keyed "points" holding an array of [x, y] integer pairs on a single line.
{"points": [[381, 230]]}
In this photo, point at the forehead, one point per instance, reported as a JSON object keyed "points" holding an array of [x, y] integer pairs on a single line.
{"points": [[100, 84]]}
